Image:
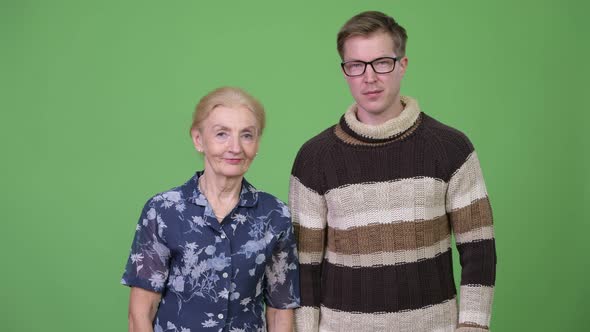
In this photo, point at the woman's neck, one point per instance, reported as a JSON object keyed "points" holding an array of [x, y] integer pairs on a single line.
{"points": [[222, 193]]}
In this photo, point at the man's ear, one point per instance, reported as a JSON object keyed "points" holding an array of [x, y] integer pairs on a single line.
{"points": [[403, 63]]}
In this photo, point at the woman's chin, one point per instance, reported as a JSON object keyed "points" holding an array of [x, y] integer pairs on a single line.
{"points": [[231, 171]]}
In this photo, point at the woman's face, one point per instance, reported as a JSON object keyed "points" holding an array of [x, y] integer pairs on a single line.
{"points": [[229, 139]]}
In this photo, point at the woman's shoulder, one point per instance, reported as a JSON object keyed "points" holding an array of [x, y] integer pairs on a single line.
{"points": [[269, 199], [268, 203], [174, 199]]}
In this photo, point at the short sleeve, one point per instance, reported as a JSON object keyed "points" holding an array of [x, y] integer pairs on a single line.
{"points": [[282, 272], [147, 266]]}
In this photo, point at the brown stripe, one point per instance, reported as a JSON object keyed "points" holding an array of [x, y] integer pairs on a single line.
{"points": [[478, 261], [388, 237], [388, 288], [434, 150], [475, 215], [349, 139], [310, 280], [309, 240]]}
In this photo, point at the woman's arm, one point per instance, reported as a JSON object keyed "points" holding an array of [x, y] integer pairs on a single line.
{"points": [[143, 305], [279, 320]]}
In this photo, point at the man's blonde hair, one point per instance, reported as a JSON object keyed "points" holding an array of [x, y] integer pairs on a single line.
{"points": [[368, 23]]}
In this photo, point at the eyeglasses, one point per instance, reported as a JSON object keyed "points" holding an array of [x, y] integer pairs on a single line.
{"points": [[382, 65]]}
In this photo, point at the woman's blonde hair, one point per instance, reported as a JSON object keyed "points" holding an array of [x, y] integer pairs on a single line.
{"points": [[228, 97]]}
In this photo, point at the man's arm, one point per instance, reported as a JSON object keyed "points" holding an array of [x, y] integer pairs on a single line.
{"points": [[309, 215], [143, 305], [279, 320], [469, 211]]}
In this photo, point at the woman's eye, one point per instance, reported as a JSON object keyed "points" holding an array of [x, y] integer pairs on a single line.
{"points": [[221, 134]]}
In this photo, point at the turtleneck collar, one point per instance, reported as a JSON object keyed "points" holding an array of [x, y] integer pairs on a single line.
{"points": [[387, 131]]}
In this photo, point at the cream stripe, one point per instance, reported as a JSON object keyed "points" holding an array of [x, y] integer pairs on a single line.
{"points": [[308, 208], [389, 258], [307, 319], [411, 199], [310, 257], [483, 233], [439, 317], [476, 304], [466, 185]]}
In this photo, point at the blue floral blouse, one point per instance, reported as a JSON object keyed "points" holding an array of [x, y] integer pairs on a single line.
{"points": [[214, 276]]}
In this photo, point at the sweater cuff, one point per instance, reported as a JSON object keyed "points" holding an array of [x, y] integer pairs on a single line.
{"points": [[475, 306], [471, 329], [307, 319]]}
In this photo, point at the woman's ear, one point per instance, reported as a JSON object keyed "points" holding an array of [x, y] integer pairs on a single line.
{"points": [[197, 139]]}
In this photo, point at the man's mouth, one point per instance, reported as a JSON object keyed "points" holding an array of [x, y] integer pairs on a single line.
{"points": [[372, 93]]}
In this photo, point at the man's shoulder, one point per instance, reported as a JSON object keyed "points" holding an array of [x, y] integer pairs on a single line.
{"points": [[320, 139], [446, 135], [311, 157], [318, 143], [450, 145]]}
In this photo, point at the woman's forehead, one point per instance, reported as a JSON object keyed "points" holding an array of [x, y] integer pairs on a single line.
{"points": [[231, 117]]}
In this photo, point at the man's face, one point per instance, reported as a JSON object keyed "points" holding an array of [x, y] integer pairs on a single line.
{"points": [[375, 94]]}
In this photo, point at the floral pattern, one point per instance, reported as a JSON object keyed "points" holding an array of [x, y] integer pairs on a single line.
{"points": [[214, 276]]}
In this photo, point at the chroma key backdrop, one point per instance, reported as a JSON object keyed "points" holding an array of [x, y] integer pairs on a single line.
{"points": [[96, 100]]}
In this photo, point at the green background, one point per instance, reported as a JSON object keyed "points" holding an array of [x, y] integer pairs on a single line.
{"points": [[96, 101]]}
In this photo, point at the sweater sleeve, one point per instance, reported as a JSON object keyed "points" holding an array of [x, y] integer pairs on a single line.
{"points": [[470, 214], [309, 214]]}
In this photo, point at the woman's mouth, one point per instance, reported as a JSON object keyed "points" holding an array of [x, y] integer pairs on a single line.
{"points": [[233, 161]]}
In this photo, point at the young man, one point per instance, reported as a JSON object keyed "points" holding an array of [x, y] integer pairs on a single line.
{"points": [[375, 199]]}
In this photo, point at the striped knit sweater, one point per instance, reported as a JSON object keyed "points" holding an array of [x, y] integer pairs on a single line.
{"points": [[374, 208]]}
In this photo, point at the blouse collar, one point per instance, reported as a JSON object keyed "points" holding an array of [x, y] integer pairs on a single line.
{"points": [[248, 194]]}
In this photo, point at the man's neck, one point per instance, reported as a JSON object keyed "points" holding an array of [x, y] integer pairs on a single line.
{"points": [[373, 119]]}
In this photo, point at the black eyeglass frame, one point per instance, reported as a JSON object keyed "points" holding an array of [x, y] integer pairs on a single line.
{"points": [[395, 59]]}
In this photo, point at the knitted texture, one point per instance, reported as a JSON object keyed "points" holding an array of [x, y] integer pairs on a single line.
{"points": [[374, 208]]}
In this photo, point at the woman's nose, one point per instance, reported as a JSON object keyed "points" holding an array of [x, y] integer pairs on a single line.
{"points": [[235, 145]]}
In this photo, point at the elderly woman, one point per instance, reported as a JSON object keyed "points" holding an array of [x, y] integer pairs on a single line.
{"points": [[215, 254]]}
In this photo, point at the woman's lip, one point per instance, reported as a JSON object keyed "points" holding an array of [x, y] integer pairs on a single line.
{"points": [[233, 160], [372, 93]]}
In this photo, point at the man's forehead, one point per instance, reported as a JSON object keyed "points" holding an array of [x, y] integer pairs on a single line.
{"points": [[368, 47]]}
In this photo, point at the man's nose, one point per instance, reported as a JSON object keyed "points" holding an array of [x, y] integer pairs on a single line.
{"points": [[370, 75]]}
